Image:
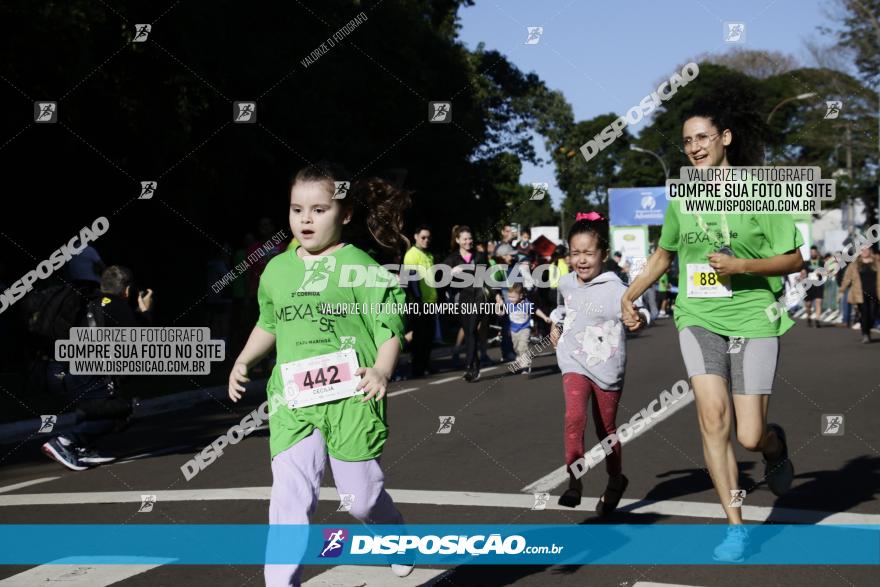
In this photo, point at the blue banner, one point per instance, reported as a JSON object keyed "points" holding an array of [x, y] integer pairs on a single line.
{"points": [[586, 544], [637, 206]]}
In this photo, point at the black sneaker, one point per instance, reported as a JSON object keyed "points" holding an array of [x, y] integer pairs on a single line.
{"points": [[88, 456], [65, 455], [468, 376], [780, 471], [475, 376]]}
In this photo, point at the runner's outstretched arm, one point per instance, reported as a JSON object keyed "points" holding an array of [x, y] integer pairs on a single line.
{"points": [[259, 344]]}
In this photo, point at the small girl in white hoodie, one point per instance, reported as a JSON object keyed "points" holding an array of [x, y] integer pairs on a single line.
{"points": [[591, 352]]}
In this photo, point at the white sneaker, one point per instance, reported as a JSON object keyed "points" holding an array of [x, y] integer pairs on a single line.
{"points": [[402, 570]]}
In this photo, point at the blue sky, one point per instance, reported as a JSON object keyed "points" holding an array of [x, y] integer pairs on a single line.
{"points": [[606, 56]]}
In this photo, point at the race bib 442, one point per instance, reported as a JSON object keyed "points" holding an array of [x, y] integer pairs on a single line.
{"points": [[320, 379]]}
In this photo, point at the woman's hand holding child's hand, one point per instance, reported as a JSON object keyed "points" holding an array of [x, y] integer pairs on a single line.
{"points": [[629, 315], [373, 382]]}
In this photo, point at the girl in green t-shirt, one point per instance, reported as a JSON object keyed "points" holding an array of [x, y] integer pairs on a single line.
{"points": [[337, 341], [729, 267]]}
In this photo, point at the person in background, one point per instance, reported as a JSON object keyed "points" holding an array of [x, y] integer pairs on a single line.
{"points": [[465, 259], [101, 407], [506, 235], [519, 311], [452, 296], [614, 265], [663, 289], [506, 255], [419, 259], [813, 301], [845, 306], [525, 252], [85, 268], [862, 277], [831, 286]]}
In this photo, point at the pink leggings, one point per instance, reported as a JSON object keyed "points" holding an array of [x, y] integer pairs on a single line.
{"points": [[577, 390]]}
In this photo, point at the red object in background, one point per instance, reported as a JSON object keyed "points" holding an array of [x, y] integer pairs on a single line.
{"points": [[543, 246]]}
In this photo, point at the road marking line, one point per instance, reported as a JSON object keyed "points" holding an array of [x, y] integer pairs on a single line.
{"points": [[368, 576], [27, 484], [401, 391], [548, 482], [80, 575], [155, 453], [689, 509], [645, 584], [445, 380]]}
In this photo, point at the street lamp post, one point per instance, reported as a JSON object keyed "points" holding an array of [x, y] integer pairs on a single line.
{"points": [[775, 108], [787, 100], [659, 158]]}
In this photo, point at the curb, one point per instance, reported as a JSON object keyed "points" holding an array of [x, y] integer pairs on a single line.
{"points": [[24, 430]]}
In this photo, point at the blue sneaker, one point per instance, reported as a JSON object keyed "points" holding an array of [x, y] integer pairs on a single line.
{"points": [[63, 454], [734, 547]]}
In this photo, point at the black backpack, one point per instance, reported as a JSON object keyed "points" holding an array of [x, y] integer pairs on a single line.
{"points": [[51, 312]]}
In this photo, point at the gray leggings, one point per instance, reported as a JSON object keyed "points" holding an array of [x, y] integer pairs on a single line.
{"points": [[749, 364]]}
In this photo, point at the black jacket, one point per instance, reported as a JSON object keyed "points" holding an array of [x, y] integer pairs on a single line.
{"points": [[469, 294], [113, 310]]}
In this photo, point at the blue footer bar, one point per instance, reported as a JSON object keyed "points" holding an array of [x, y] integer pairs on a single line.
{"points": [[587, 544]]}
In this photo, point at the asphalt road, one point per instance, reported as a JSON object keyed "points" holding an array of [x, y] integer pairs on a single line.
{"points": [[507, 436]]}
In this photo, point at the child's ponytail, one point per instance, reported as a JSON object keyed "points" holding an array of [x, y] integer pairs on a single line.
{"points": [[377, 207], [380, 207]]}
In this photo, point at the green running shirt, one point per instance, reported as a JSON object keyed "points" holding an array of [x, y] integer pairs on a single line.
{"points": [[291, 294], [752, 236]]}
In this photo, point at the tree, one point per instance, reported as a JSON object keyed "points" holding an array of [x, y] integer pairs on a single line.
{"points": [[760, 64], [586, 183], [162, 110], [846, 143], [860, 33]]}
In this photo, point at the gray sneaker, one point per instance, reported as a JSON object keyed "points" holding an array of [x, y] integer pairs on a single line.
{"points": [[779, 472]]}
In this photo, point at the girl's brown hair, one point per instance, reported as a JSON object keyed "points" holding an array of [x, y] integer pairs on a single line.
{"points": [[376, 206], [456, 232]]}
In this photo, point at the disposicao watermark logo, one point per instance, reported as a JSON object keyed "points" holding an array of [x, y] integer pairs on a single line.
{"points": [[55, 261], [645, 107], [534, 35], [450, 544], [837, 263], [334, 541], [642, 421]]}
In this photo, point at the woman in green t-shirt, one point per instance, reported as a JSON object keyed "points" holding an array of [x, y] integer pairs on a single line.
{"points": [[729, 274]]}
